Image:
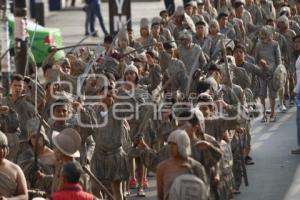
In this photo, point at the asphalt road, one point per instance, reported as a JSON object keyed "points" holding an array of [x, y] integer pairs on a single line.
{"points": [[71, 21]]}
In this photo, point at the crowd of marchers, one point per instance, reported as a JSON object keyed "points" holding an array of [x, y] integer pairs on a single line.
{"points": [[208, 67]]}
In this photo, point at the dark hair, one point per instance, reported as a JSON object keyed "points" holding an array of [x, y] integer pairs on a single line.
{"points": [[17, 77], [150, 53], [286, 13], [190, 3], [108, 39], [46, 67], [60, 102], [200, 23], [154, 24], [214, 67], [163, 12], [238, 4], [240, 46], [191, 116], [270, 20], [202, 86], [167, 45], [71, 172], [222, 14]]}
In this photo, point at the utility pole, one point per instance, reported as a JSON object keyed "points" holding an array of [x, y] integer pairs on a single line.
{"points": [[21, 36], [4, 37]]}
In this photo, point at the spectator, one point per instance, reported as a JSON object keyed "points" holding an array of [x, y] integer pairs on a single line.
{"points": [[71, 188]]}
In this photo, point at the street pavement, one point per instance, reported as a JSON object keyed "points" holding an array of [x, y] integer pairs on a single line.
{"points": [[276, 173], [71, 21]]}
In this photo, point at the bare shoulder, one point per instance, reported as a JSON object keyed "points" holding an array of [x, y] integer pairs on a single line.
{"points": [[13, 166], [11, 169], [163, 165]]}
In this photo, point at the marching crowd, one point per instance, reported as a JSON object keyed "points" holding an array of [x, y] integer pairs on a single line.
{"points": [[175, 103]]}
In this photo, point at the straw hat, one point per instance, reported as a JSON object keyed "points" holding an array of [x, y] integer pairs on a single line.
{"points": [[68, 141]]}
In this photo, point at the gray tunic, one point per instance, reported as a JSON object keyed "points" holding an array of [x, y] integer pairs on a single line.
{"points": [[269, 52], [268, 10], [192, 167], [253, 72], [256, 14], [175, 70], [153, 79], [229, 32], [9, 124], [109, 161], [189, 56], [25, 111], [204, 43]]}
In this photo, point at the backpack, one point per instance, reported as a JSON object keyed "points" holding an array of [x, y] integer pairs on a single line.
{"points": [[188, 187]]}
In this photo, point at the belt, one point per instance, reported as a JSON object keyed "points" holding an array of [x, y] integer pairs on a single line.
{"points": [[107, 153]]}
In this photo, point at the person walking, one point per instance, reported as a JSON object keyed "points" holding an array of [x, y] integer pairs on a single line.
{"points": [[170, 6], [95, 11]]}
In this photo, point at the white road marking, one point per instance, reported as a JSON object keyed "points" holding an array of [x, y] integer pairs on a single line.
{"points": [[257, 130], [280, 121], [256, 145], [265, 136]]}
